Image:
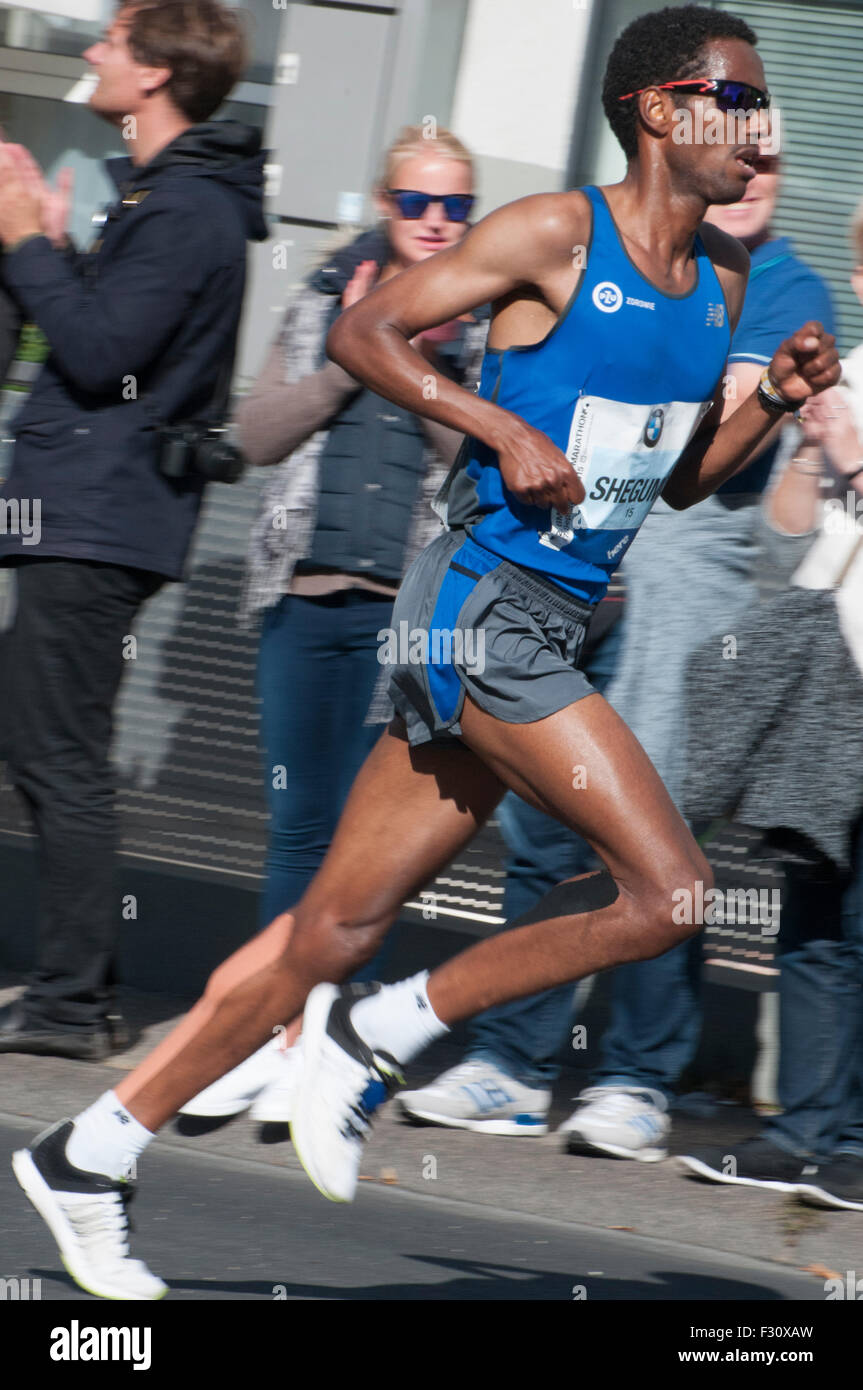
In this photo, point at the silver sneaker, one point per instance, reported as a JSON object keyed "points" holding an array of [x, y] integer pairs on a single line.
{"points": [[478, 1096], [623, 1121]]}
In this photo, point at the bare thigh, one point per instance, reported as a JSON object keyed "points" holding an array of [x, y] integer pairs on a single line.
{"points": [[409, 811], [586, 768]]}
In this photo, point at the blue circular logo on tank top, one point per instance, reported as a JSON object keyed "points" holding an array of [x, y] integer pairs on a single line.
{"points": [[607, 296]]}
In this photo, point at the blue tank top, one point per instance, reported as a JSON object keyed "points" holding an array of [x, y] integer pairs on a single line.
{"points": [[620, 384]]}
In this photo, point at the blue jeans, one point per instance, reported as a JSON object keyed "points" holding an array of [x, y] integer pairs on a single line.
{"points": [[523, 1037], [655, 1021], [821, 1023], [317, 669]]}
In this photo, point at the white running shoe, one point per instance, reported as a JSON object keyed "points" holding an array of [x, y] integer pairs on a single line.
{"points": [[342, 1082], [477, 1095], [239, 1087], [275, 1104], [624, 1121], [86, 1215]]}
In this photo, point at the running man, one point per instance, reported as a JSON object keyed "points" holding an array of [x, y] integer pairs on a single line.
{"points": [[601, 388]]}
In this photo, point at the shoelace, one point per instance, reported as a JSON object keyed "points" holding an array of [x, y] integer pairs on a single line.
{"points": [[360, 1125], [355, 1091], [103, 1224]]}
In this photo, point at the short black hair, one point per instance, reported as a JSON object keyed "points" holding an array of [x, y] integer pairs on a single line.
{"points": [[660, 47]]}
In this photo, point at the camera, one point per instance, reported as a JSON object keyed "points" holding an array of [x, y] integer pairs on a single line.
{"points": [[199, 451]]}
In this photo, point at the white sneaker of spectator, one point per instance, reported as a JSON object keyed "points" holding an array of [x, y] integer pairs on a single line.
{"points": [[477, 1095], [265, 1082], [624, 1121]]}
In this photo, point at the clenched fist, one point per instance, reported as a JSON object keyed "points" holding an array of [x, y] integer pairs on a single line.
{"points": [[805, 364], [535, 470]]}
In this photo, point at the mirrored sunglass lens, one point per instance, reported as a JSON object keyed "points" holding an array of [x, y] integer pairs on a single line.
{"points": [[738, 96], [730, 96]]}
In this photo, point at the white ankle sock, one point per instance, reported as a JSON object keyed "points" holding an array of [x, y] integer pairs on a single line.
{"points": [[399, 1019], [107, 1138]]}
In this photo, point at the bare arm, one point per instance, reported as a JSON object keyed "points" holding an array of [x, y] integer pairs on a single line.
{"points": [[745, 377], [278, 416], [732, 434], [523, 244], [791, 507], [444, 441], [803, 365]]}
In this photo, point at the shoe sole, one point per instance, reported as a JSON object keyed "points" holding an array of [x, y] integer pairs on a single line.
{"points": [[42, 1198], [694, 1167], [578, 1143], [315, 1016], [819, 1197], [505, 1128]]}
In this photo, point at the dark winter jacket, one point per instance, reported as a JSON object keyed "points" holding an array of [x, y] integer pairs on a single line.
{"points": [[142, 329]]}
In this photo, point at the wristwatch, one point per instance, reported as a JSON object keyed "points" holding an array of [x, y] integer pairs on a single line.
{"points": [[773, 399]]}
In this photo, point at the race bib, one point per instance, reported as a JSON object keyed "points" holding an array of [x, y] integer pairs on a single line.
{"points": [[623, 455]]}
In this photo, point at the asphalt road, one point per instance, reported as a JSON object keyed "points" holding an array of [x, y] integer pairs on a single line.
{"points": [[216, 1227]]}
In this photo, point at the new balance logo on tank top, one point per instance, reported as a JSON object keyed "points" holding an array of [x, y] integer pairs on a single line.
{"points": [[619, 384]]}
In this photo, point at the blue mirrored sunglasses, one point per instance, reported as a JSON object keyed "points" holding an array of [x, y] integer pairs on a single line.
{"points": [[412, 205]]}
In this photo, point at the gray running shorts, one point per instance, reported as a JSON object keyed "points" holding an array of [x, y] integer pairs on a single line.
{"points": [[465, 620]]}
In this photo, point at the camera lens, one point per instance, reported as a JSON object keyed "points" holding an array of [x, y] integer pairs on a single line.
{"points": [[219, 461]]}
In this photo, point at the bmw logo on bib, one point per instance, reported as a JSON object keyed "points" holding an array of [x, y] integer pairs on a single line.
{"points": [[653, 428]]}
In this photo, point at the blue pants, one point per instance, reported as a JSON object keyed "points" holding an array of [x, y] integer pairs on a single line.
{"points": [[524, 1036], [655, 1020], [821, 1024], [317, 670]]}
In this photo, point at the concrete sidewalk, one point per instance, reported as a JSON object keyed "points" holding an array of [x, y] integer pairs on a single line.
{"points": [[526, 1175]]}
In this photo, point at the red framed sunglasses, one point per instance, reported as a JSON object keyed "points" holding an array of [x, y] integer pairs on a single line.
{"points": [[730, 96]]}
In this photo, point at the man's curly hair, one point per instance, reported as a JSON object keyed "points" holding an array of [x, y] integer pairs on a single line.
{"points": [[661, 47]]}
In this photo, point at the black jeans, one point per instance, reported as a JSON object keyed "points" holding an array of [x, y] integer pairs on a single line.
{"points": [[63, 662]]}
